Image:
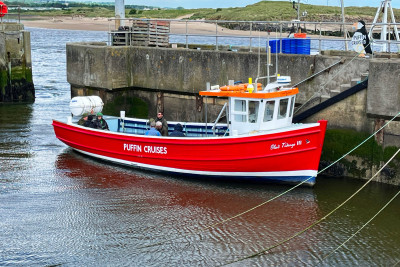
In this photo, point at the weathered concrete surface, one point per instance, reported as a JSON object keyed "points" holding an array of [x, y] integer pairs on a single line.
{"points": [[16, 82], [384, 89], [348, 114], [169, 80], [186, 71]]}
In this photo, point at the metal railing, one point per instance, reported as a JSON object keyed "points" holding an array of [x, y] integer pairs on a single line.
{"points": [[13, 14], [253, 34]]}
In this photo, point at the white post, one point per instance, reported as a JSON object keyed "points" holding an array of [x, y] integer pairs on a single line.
{"points": [[375, 20], [344, 28], [122, 116], [298, 10], [385, 8], [396, 32], [119, 13], [385, 26]]}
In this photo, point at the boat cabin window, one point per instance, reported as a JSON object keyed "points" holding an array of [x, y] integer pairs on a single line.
{"points": [[253, 111], [240, 110], [291, 106], [283, 107], [269, 111], [245, 110]]}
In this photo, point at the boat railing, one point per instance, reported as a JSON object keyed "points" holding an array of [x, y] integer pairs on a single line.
{"points": [[224, 108], [236, 35], [140, 126]]}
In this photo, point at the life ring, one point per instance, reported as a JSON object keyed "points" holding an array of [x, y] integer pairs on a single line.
{"points": [[239, 87], [3, 9]]}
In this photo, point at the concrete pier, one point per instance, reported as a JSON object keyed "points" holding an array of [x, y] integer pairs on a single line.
{"points": [[16, 82], [186, 71], [142, 80]]}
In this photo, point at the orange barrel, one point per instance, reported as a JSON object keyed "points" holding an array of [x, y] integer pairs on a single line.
{"points": [[300, 35]]}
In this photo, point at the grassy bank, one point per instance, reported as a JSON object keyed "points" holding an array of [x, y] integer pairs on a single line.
{"points": [[261, 11]]}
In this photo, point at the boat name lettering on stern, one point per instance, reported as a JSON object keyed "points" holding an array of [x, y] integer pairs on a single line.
{"points": [[286, 145], [146, 149], [274, 146]]}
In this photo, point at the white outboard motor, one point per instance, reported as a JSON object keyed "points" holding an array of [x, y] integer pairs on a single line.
{"points": [[81, 104]]}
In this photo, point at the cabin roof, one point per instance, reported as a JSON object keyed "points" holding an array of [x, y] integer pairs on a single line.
{"points": [[258, 95]]}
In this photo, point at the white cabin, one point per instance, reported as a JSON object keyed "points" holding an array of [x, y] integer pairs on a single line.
{"points": [[258, 110]]}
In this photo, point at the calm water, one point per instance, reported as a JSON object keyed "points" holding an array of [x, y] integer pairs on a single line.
{"points": [[58, 207]]}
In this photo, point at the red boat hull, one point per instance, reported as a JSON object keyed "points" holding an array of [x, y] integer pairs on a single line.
{"points": [[288, 156]]}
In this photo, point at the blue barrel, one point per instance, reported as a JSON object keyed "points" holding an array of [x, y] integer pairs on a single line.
{"points": [[303, 46], [293, 46], [275, 46], [286, 45]]}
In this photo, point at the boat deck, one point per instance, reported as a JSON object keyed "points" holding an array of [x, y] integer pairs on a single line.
{"points": [[191, 129]]}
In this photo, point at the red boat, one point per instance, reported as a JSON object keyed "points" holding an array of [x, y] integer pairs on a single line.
{"points": [[259, 142]]}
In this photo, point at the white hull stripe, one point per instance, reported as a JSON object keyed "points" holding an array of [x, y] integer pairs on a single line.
{"points": [[308, 173]]}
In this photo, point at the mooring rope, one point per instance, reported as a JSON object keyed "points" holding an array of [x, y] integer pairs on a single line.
{"points": [[329, 80], [263, 251], [373, 217], [273, 198], [295, 186]]}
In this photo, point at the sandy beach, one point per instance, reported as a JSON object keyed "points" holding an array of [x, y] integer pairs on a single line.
{"points": [[179, 26], [68, 23], [105, 24]]}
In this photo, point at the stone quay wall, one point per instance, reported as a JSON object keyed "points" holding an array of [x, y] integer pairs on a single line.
{"points": [[144, 80], [16, 82]]}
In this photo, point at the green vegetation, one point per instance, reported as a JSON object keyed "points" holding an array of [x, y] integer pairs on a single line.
{"points": [[261, 11], [283, 11], [134, 107], [21, 73], [3, 81], [161, 14], [339, 142], [96, 11]]}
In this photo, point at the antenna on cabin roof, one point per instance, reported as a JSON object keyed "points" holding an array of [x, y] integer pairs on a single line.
{"points": [[385, 8]]}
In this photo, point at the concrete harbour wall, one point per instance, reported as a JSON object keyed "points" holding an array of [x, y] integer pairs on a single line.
{"points": [[16, 82], [142, 80]]}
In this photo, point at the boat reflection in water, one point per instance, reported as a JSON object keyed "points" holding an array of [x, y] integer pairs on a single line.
{"points": [[138, 209]]}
